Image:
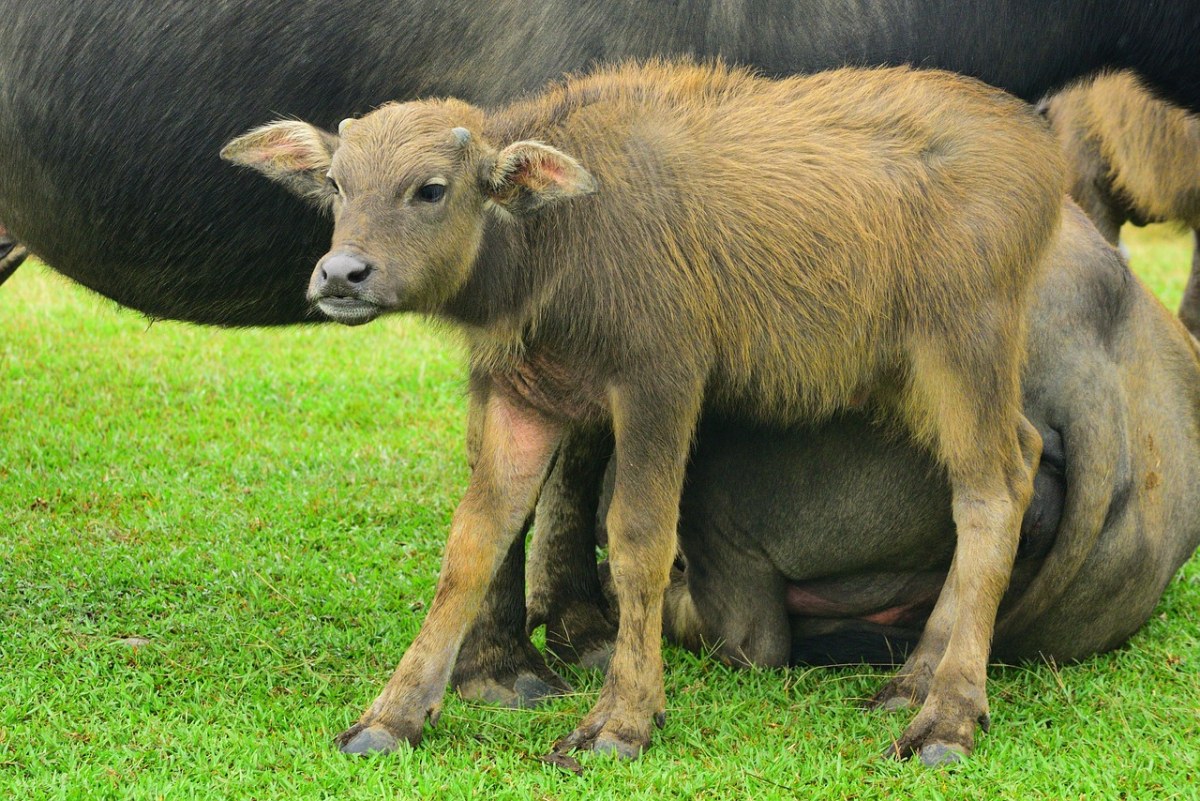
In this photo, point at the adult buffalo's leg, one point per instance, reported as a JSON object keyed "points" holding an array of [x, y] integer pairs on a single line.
{"points": [[1189, 307], [12, 254], [731, 598], [497, 663], [564, 590]]}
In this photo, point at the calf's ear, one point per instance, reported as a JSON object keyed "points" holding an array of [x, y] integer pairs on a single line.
{"points": [[529, 175], [288, 152]]}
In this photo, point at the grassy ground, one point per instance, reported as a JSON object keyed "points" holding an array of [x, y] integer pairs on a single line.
{"points": [[267, 509]]}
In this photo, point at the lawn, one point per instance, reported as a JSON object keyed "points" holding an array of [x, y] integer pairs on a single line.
{"points": [[266, 510]]}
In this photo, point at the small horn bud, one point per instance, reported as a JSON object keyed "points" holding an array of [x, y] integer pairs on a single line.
{"points": [[462, 135], [344, 126]]}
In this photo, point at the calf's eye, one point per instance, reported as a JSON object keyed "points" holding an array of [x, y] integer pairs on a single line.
{"points": [[333, 185], [431, 193]]}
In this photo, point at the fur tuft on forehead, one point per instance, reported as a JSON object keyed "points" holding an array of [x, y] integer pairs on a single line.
{"points": [[436, 124]]}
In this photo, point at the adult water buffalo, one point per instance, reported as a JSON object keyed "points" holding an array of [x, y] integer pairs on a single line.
{"points": [[112, 111]]}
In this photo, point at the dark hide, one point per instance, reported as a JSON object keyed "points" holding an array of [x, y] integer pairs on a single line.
{"points": [[112, 111], [12, 254]]}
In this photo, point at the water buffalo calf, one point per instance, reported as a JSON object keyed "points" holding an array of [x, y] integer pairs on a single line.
{"points": [[782, 249], [1132, 157]]}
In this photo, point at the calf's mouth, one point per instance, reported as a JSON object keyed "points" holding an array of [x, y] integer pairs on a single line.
{"points": [[348, 310]]}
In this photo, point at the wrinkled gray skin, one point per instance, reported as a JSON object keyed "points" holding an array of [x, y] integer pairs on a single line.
{"points": [[829, 545]]}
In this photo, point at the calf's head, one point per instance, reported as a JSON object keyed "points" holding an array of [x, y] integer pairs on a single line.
{"points": [[411, 187]]}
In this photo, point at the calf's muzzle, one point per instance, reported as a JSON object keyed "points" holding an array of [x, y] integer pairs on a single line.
{"points": [[339, 275], [339, 288]]}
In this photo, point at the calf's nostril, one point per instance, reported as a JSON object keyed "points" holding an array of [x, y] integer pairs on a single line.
{"points": [[341, 272]]}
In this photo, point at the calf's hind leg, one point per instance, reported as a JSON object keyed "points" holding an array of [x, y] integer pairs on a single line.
{"points": [[991, 454], [497, 663], [565, 592]]}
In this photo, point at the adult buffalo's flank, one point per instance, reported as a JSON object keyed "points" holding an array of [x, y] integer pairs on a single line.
{"points": [[1132, 157], [111, 111], [630, 246]]}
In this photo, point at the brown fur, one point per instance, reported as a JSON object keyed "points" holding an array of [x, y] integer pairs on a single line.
{"points": [[782, 249], [1131, 157]]}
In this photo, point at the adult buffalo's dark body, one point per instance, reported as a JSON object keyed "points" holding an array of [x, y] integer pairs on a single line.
{"points": [[858, 547], [112, 111]]}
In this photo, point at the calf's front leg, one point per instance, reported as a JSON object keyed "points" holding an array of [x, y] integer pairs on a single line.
{"points": [[653, 432], [515, 448]]}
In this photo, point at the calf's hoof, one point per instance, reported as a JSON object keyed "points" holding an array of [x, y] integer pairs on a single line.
{"points": [[941, 734], [377, 733], [375, 739], [604, 734], [902, 692], [626, 745], [590, 648], [936, 755], [895, 703], [499, 668], [932, 755], [582, 634]]}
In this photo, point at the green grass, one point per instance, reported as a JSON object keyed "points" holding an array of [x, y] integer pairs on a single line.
{"points": [[268, 509]]}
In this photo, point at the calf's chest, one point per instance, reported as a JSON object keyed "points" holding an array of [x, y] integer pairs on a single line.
{"points": [[557, 389]]}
